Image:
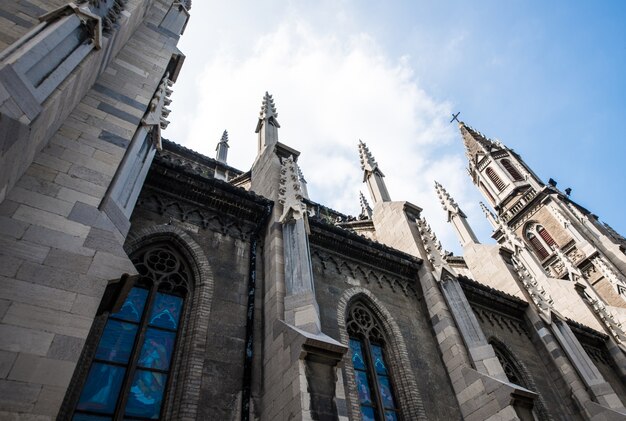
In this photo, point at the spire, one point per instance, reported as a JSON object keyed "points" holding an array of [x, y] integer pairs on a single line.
{"points": [[372, 175], [368, 163], [475, 142], [456, 217], [267, 126], [222, 148], [490, 216], [448, 203], [365, 207]]}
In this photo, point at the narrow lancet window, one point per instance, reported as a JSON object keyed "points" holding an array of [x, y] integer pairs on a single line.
{"points": [[372, 376], [488, 193]]}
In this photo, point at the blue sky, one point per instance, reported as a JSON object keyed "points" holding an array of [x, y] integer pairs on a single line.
{"points": [[546, 78]]}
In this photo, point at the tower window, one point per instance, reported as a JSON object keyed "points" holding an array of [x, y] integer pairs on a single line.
{"points": [[546, 236], [495, 179], [540, 240], [372, 376], [132, 363], [488, 193], [512, 170]]}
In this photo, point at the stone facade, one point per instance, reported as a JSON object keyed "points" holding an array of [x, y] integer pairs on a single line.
{"points": [[288, 309]]}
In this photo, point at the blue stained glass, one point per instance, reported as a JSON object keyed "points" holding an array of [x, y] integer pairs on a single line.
{"points": [[363, 387], [390, 416], [357, 354], [87, 417], [379, 362], [117, 341], [166, 311], [133, 306], [367, 413], [385, 392], [157, 349], [101, 388], [146, 394]]}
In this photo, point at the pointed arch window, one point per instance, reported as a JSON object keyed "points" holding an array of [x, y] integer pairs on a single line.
{"points": [[512, 170], [545, 235], [484, 188], [132, 363], [517, 374], [371, 370], [495, 179], [540, 240]]}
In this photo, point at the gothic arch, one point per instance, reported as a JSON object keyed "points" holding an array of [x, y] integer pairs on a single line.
{"points": [[184, 395], [541, 241], [517, 373], [510, 168], [409, 399], [495, 179]]}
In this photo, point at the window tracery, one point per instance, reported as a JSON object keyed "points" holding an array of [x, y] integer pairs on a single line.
{"points": [[373, 379], [130, 371]]}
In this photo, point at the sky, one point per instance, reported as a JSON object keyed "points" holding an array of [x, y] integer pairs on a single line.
{"points": [[548, 79]]}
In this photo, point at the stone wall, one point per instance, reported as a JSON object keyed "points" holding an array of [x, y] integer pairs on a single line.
{"points": [[225, 326], [336, 276], [57, 249], [514, 334]]}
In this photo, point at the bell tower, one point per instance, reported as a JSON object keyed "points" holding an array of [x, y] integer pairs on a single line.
{"points": [[499, 173], [546, 219]]}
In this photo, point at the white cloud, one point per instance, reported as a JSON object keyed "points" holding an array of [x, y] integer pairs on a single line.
{"points": [[330, 91]]}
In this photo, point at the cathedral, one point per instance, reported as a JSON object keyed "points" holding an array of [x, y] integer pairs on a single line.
{"points": [[141, 280]]}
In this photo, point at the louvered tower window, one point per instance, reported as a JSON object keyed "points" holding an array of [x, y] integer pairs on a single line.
{"points": [[545, 235], [130, 371], [373, 381], [495, 179], [512, 170]]}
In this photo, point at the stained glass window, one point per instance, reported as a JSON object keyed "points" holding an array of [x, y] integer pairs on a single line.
{"points": [[372, 376], [130, 369]]}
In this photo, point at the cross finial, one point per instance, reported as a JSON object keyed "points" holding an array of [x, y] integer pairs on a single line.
{"points": [[455, 117]]}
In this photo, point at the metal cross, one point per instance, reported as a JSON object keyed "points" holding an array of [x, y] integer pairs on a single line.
{"points": [[454, 117]]}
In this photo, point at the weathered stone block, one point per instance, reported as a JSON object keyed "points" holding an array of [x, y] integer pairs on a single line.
{"points": [[24, 250], [102, 240], [91, 216], [34, 369], [50, 220], [67, 260], [9, 265], [48, 320], [67, 348], [18, 396], [29, 293], [19, 339]]}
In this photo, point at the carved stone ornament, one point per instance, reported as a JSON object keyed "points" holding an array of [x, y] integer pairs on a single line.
{"points": [[290, 191], [355, 273], [540, 296], [432, 245], [614, 327], [606, 271], [157, 111], [574, 274]]}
